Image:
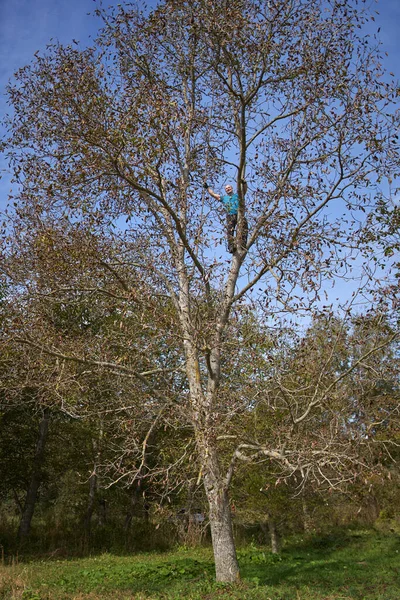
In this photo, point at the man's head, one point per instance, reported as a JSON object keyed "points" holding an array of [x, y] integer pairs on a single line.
{"points": [[229, 189]]}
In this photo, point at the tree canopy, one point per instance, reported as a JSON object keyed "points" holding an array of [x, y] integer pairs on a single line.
{"points": [[114, 248]]}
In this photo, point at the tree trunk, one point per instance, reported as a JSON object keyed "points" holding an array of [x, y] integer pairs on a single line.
{"points": [[91, 504], [274, 536], [216, 484], [226, 564], [36, 478], [135, 490], [18, 502], [307, 521], [102, 511], [93, 482], [271, 534]]}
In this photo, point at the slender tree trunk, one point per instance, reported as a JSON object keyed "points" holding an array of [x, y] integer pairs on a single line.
{"points": [[135, 491], [91, 504], [274, 536], [18, 502], [102, 511], [215, 482], [307, 521], [146, 510], [374, 508], [93, 482], [36, 478], [271, 534]]}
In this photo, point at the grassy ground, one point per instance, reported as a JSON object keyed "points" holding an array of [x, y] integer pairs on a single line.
{"points": [[359, 565]]}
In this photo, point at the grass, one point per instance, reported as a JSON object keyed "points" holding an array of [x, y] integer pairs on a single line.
{"points": [[359, 565]]}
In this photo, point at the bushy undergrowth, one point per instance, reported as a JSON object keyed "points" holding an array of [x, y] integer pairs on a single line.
{"points": [[345, 565], [46, 541]]}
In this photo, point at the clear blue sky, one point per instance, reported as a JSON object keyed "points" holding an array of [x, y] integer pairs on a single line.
{"points": [[28, 25]]}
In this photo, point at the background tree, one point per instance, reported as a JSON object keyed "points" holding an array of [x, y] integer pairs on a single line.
{"points": [[111, 146]]}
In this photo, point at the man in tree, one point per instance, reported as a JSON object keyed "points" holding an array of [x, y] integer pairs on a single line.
{"points": [[231, 202]]}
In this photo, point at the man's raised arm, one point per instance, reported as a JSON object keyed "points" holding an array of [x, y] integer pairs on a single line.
{"points": [[211, 192]]}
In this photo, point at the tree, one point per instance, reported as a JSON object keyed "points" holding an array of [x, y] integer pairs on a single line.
{"points": [[35, 479], [112, 145]]}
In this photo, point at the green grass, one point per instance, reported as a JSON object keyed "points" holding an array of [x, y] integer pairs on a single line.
{"points": [[355, 565]]}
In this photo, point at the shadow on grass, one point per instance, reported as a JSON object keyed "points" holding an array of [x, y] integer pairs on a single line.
{"points": [[337, 562]]}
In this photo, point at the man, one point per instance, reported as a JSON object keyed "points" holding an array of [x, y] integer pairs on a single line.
{"points": [[231, 202]]}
